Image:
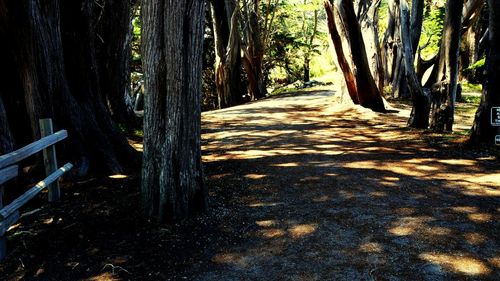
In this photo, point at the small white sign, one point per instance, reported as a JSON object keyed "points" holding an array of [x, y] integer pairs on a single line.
{"points": [[495, 116], [497, 140]]}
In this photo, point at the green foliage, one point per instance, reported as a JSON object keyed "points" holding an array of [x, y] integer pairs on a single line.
{"points": [[136, 39], [291, 41], [432, 26], [432, 29], [471, 88], [477, 66]]}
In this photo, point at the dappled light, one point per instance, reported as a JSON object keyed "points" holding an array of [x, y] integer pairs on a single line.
{"points": [[342, 184], [118, 176], [459, 264]]}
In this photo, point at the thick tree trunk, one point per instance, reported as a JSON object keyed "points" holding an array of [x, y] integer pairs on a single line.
{"points": [[367, 91], [54, 59], [227, 50], [443, 107], [344, 65], [114, 35], [419, 117], [172, 179], [482, 131]]}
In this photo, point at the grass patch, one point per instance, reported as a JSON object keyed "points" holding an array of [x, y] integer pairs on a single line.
{"points": [[471, 88]]}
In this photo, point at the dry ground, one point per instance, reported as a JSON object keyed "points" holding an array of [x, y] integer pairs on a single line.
{"points": [[301, 188]]}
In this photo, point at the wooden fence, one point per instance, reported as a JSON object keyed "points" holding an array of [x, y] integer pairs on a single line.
{"points": [[9, 214]]}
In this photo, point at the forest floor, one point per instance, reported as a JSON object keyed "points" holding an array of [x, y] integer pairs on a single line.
{"points": [[301, 188]]}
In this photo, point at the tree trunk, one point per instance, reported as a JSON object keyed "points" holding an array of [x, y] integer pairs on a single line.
{"points": [[368, 19], [172, 179], [227, 50], [6, 140], [307, 70], [114, 33], [52, 47], [392, 53], [419, 117], [417, 18], [310, 42], [367, 92], [443, 106], [482, 131], [253, 53], [471, 29], [344, 65]]}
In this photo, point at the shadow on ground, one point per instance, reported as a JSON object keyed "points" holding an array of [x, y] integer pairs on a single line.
{"points": [[341, 193], [301, 188]]}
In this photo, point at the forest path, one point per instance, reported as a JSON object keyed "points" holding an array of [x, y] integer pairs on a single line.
{"points": [[318, 191]]}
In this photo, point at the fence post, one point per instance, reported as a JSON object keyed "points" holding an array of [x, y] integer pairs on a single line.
{"points": [[49, 159]]}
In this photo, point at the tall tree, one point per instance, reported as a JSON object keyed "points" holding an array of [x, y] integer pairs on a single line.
{"points": [[258, 21], [55, 75], [446, 77], [309, 32], [114, 37], [472, 30], [172, 48], [225, 18], [419, 117], [368, 19], [392, 53], [483, 131], [351, 54]]}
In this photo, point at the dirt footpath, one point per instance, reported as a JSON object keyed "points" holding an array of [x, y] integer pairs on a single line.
{"points": [[319, 191], [301, 188]]}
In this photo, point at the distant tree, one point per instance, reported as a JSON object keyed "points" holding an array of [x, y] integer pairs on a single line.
{"points": [[225, 19], [473, 28], [258, 23], [309, 33], [392, 48], [172, 49], [482, 131]]}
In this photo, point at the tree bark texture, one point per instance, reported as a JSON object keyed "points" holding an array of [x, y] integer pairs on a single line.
{"points": [[443, 104], [368, 94], [52, 45], [392, 53], [344, 65], [253, 52], [227, 50], [471, 34], [114, 36], [482, 131], [6, 139], [419, 117], [416, 21], [172, 179], [368, 20]]}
